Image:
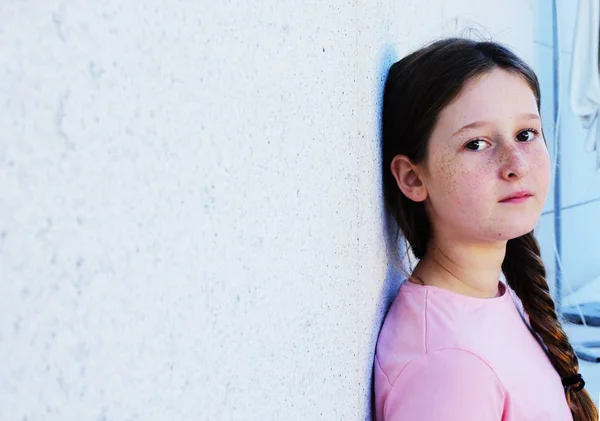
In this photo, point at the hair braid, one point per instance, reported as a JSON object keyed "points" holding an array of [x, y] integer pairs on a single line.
{"points": [[526, 275]]}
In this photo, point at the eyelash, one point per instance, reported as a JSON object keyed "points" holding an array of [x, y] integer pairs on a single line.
{"points": [[534, 131]]}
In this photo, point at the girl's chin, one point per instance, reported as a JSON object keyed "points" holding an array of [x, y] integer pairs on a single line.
{"points": [[514, 232], [516, 226]]}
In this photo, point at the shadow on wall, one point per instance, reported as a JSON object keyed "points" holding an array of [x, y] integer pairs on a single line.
{"points": [[394, 275]]}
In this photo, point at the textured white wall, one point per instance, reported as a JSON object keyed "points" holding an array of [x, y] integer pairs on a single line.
{"points": [[190, 212]]}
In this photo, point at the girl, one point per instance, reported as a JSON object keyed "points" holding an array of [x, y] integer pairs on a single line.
{"points": [[466, 174]]}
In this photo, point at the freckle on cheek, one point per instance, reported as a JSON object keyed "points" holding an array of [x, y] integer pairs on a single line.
{"points": [[447, 173]]}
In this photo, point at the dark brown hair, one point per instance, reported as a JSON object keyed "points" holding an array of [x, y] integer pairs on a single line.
{"points": [[417, 88]]}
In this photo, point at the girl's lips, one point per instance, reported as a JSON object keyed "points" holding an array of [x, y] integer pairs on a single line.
{"points": [[518, 197]]}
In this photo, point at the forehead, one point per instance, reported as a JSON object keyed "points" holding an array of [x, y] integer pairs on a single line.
{"points": [[494, 97]]}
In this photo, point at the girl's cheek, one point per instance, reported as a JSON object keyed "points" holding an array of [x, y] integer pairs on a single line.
{"points": [[446, 173], [540, 163]]}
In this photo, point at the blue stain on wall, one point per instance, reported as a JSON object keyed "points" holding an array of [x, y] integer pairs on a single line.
{"points": [[391, 283], [388, 57]]}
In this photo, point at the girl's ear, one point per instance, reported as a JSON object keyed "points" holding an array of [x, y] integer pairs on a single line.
{"points": [[408, 178]]}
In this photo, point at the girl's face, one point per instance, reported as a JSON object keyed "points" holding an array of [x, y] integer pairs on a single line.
{"points": [[487, 169]]}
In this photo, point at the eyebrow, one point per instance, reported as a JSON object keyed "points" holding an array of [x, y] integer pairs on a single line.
{"points": [[478, 124]]}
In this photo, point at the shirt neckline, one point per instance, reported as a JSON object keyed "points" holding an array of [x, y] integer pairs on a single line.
{"points": [[502, 288]]}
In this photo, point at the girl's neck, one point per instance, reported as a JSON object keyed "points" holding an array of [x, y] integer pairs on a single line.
{"points": [[472, 270]]}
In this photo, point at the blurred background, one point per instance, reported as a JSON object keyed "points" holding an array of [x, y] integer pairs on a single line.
{"points": [[191, 222], [566, 61]]}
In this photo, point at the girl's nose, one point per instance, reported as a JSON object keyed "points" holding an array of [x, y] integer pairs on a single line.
{"points": [[514, 163]]}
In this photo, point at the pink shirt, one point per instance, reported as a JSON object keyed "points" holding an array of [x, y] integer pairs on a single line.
{"points": [[443, 356]]}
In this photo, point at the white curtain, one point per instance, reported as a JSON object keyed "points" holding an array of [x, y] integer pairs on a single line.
{"points": [[585, 75]]}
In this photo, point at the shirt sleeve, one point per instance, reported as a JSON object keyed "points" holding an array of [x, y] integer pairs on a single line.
{"points": [[449, 384]]}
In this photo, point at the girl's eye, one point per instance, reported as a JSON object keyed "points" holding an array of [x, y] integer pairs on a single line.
{"points": [[476, 145], [527, 135]]}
